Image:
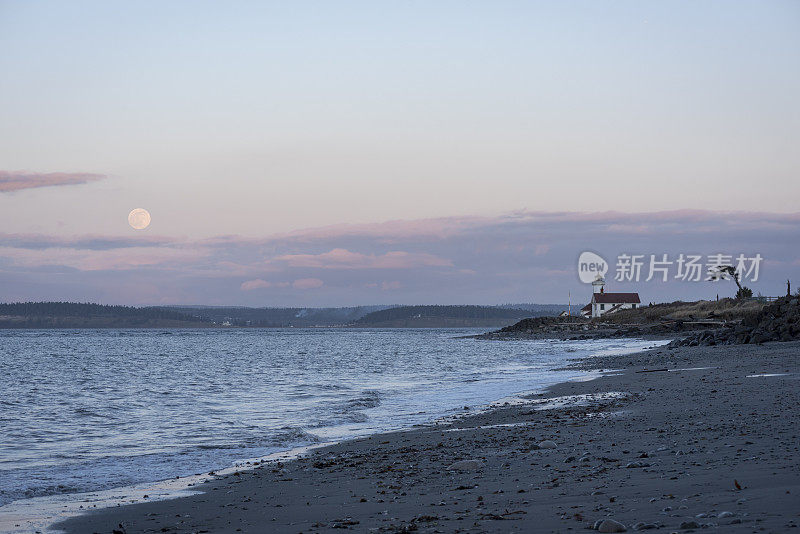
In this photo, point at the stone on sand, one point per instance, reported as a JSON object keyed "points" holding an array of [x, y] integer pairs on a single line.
{"points": [[609, 525]]}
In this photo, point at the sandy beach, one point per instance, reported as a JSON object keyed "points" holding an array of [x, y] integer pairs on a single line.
{"points": [[678, 439]]}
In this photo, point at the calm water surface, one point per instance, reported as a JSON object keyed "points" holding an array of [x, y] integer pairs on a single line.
{"points": [[85, 410]]}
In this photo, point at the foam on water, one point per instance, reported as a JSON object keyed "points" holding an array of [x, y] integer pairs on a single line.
{"points": [[39, 513]]}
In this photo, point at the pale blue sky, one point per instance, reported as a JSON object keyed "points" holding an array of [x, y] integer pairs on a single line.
{"points": [[259, 119], [263, 117]]}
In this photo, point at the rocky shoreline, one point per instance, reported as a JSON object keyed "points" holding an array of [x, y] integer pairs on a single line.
{"points": [[779, 321], [572, 328]]}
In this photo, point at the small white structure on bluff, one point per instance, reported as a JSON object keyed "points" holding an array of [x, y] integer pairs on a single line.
{"points": [[603, 303]]}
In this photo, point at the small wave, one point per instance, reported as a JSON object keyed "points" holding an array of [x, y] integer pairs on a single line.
{"points": [[291, 435], [216, 446], [332, 387], [340, 419], [350, 410], [367, 399], [281, 437], [7, 496], [85, 412]]}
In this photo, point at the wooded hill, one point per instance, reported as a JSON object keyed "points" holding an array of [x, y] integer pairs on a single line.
{"points": [[277, 317], [450, 316], [87, 315]]}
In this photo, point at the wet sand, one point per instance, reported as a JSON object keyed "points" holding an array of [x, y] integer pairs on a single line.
{"points": [[678, 450]]}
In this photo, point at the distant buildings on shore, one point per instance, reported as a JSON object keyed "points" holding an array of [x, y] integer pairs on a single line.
{"points": [[603, 303]]}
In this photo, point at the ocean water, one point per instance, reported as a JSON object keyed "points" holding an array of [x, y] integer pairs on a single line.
{"points": [[86, 410]]}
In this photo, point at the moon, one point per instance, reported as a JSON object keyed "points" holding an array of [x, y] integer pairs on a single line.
{"points": [[139, 219]]}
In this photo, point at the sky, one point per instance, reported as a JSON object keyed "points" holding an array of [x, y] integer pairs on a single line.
{"points": [[274, 143]]}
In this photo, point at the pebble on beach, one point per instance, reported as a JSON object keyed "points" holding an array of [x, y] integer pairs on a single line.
{"points": [[609, 525]]}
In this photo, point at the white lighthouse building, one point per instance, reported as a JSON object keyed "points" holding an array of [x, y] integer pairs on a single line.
{"points": [[598, 284], [603, 303]]}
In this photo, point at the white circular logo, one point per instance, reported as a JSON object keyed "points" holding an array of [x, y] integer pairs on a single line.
{"points": [[590, 265]]}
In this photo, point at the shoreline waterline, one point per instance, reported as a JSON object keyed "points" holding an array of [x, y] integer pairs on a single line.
{"points": [[38, 513], [631, 455]]}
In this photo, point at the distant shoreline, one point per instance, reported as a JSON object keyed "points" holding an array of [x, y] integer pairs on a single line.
{"points": [[204, 326], [87, 315]]}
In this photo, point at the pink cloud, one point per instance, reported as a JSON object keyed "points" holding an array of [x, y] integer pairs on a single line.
{"points": [[307, 283], [526, 255], [17, 180], [258, 283], [340, 258]]}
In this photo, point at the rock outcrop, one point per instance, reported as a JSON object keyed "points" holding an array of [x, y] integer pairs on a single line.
{"points": [[779, 321]]}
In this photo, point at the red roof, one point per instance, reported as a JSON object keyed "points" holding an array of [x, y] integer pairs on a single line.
{"points": [[616, 298], [588, 307]]}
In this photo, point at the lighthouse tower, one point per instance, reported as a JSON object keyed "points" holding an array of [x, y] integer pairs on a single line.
{"points": [[597, 285]]}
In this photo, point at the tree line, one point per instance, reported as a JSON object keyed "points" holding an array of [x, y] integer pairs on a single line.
{"points": [[460, 312], [89, 310]]}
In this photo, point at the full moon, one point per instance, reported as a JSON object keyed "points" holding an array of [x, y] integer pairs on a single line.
{"points": [[139, 218]]}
